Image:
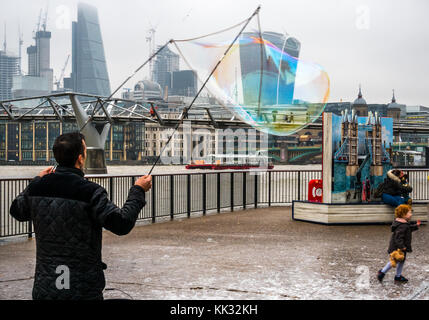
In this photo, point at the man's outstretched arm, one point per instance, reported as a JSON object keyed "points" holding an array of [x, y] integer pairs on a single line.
{"points": [[20, 208], [117, 220]]}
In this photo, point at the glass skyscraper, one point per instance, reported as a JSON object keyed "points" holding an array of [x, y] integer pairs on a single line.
{"points": [[184, 83], [9, 67], [89, 69], [273, 91], [166, 62]]}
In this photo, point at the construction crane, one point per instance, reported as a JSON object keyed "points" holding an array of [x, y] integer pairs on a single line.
{"points": [[21, 42], [38, 24], [4, 43], [152, 45], [45, 19], [58, 82], [151, 40]]}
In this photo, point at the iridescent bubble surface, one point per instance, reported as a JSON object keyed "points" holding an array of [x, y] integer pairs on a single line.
{"points": [[261, 80]]}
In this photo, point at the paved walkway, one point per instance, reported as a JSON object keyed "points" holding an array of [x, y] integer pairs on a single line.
{"points": [[252, 254]]}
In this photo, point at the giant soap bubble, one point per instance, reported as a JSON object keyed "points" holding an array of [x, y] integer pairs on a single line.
{"points": [[261, 80]]}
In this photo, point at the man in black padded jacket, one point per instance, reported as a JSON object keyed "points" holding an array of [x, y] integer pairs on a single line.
{"points": [[68, 213]]}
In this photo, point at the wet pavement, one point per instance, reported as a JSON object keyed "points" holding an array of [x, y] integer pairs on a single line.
{"points": [[251, 254]]}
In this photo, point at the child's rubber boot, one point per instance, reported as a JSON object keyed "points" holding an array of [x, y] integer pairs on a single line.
{"points": [[380, 275], [401, 279]]}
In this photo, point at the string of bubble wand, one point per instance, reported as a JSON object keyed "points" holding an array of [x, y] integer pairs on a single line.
{"points": [[125, 81]]}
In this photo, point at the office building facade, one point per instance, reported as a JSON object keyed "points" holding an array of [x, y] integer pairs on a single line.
{"points": [[89, 68], [9, 67], [184, 83], [43, 57], [30, 86], [32, 141], [32, 60], [165, 64], [40, 78]]}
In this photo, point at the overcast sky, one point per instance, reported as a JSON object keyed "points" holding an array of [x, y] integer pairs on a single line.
{"points": [[382, 44]]}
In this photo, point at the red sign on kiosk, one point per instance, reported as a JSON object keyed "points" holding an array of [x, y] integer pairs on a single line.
{"points": [[315, 190]]}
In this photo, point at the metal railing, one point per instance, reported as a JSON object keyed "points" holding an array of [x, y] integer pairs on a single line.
{"points": [[186, 194]]}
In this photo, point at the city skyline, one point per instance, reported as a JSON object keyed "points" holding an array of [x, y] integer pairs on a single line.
{"points": [[381, 45]]}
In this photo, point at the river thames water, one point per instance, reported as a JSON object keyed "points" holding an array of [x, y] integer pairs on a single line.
{"points": [[31, 171]]}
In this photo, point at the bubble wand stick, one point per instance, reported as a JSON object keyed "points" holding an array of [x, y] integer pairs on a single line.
{"points": [[186, 109]]}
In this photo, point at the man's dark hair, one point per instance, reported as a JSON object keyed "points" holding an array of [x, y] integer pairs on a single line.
{"points": [[67, 148], [397, 172]]}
